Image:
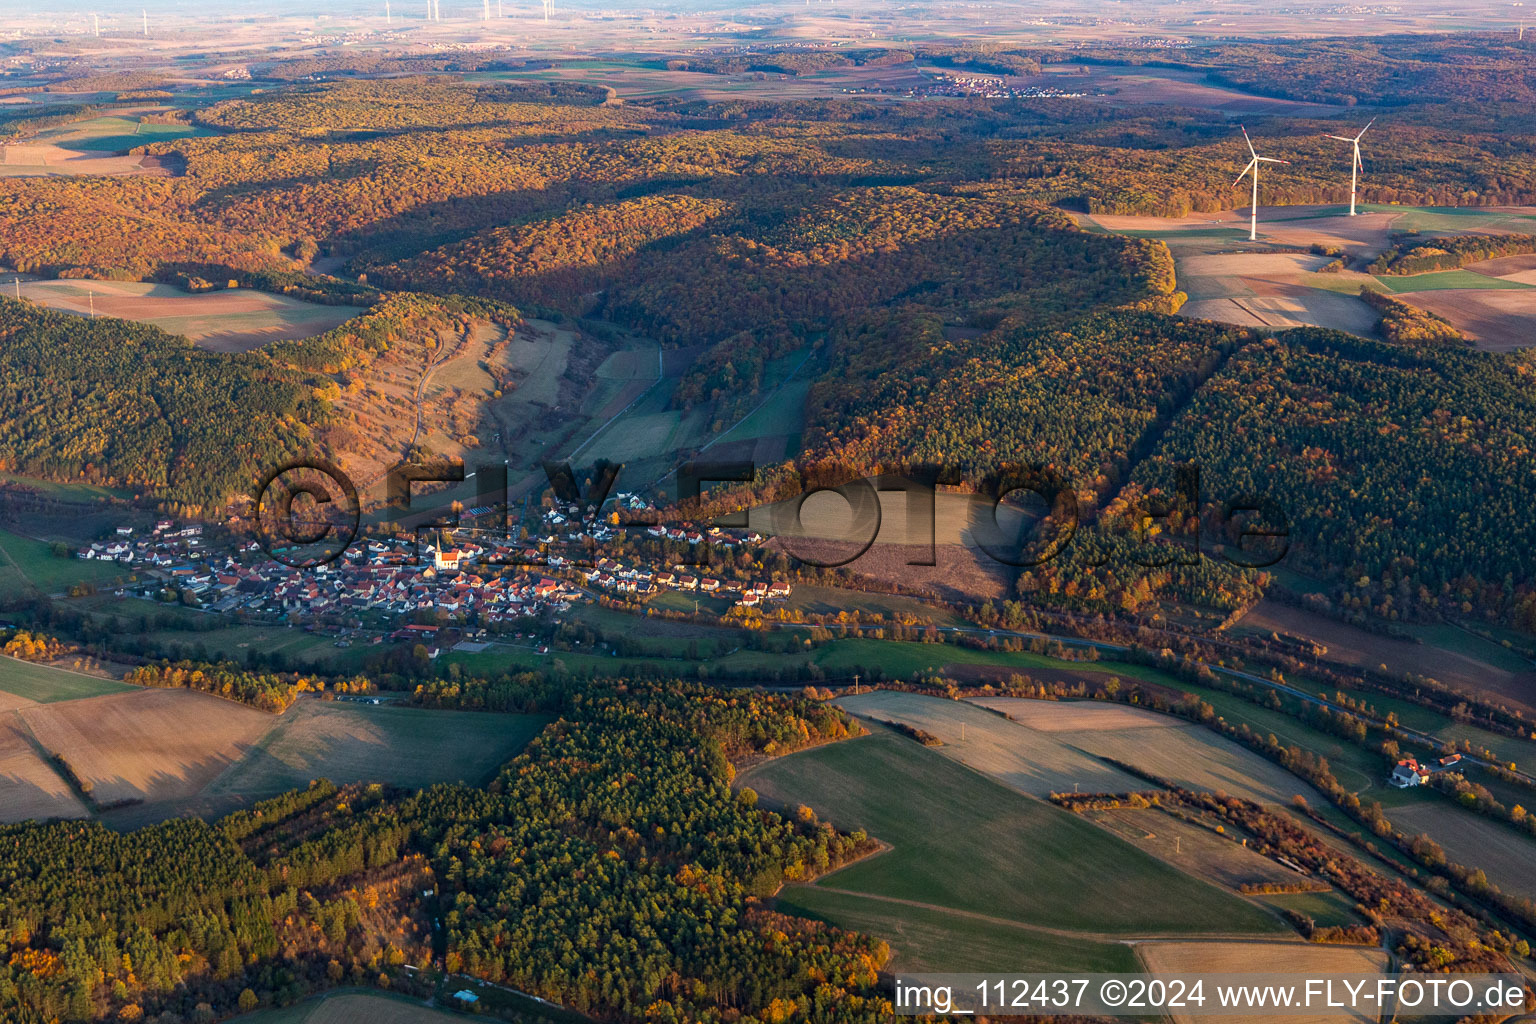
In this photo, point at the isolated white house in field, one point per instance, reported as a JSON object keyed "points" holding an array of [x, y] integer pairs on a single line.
{"points": [[1409, 773]]}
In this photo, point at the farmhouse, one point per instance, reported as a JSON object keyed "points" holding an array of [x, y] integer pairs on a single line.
{"points": [[1409, 773]]}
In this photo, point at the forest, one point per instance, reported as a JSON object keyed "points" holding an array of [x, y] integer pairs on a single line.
{"points": [[609, 867], [1403, 469], [923, 256]]}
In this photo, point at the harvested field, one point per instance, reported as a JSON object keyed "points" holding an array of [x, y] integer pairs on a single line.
{"points": [[12, 702], [40, 159], [1351, 646], [347, 742], [1182, 753], [1507, 857], [1521, 269], [1497, 320], [1267, 265], [1298, 958], [1020, 758], [1365, 234], [158, 746], [228, 320], [1268, 290], [1199, 851], [29, 786], [1071, 716]]}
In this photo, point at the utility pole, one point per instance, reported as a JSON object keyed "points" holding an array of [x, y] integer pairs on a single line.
{"points": [[962, 732], [855, 682], [1177, 845], [92, 296]]}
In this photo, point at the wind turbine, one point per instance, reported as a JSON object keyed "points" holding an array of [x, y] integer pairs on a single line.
{"points": [[1354, 168], [1253, 165]]}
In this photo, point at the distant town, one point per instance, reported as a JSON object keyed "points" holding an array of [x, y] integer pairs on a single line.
{"points": [[406, 587]]}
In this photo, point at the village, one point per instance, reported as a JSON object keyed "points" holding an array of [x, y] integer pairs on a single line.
{"points": [[463, 577], [990, 87]]}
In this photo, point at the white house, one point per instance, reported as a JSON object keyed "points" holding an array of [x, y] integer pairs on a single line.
{"points": [[1409, 773]]}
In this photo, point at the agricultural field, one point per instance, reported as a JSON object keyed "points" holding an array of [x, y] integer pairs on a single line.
{"points": [[1235, 281], [29, 785], [1462, 660], [173, 751], [1052, 746], [963, 842], [1498, 320], [32, 683], [1302, 959], [935, 939], [1196, 849], [93, 146], [160, 747], [1506, 856], [1022, 759], [1259, 289], [227, 320], [350, 742]]}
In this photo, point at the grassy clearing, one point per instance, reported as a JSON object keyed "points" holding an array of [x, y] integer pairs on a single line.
{"points": [[82, 493], [1328, 909], [47, 685], [964, 842], [935, 940], [815, 600], [34, 565]]}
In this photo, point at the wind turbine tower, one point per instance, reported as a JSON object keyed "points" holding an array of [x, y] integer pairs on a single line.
{"points": [[96, 22], [1253, 165], [388, 18], [1356, 165], [145, 12], [485, 10]]}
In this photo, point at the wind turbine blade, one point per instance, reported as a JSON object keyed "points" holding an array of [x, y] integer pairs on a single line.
{"points": [[1340, 138], [1271, 160], [1251, 165], [1365, 129], [1359, 164], [1249, 141]]}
